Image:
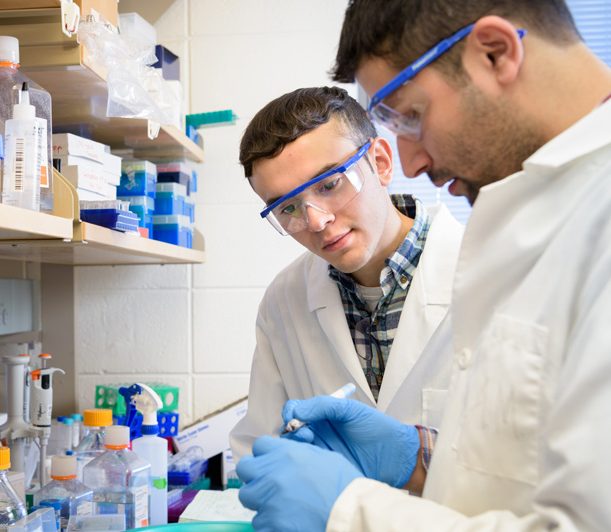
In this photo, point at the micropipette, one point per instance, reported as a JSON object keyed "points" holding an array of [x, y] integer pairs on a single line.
{"points": [[343, 393]]}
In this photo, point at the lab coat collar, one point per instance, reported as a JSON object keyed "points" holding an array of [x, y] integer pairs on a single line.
{"points": [[322, 290], [587, 135]]}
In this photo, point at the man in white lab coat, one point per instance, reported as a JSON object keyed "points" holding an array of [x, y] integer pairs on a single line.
{"points": [[524, 442], [362, 302]]}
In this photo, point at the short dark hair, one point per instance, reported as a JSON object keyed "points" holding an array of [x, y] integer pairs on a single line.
{"points": [[399, 31], [286, 118]]}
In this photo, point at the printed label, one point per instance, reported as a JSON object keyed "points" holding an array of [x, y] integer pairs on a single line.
{"points": [[141, 505]]}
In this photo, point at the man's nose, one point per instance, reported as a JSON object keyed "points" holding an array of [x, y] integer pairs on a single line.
{"points": [[414, 158], [316, 217]]}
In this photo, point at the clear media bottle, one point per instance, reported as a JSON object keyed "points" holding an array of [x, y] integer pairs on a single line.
{"points": [[120, 480], [91, 445], [154, 450], [11, 506], [11, 82], [74, 497]]}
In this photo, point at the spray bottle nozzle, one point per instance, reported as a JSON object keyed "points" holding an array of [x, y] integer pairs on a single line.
{"points": [[140, 398]]}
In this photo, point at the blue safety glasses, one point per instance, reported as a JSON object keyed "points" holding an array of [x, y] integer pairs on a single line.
{"points": [[399, 105], [326, 193]]}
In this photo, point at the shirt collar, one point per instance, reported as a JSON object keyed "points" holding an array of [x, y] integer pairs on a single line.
{"points": [[401, 264]]}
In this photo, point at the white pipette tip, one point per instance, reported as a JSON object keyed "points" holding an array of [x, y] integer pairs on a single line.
{"points": [[343, 393]]}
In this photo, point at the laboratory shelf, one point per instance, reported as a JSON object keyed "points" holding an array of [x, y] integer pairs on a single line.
{"points": [[78, 87], [23, 224], [63, 239]]}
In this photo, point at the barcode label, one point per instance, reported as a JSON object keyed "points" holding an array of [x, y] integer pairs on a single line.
{"points": [[42, 164], [19, 167]]}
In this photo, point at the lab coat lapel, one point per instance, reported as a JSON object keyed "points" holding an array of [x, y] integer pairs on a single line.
{"points": [[426, 303], [324, 300]]}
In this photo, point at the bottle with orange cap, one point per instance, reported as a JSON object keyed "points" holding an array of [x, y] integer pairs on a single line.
{"points": [[11, 506], [95, 421], [120, 479], [65, 491]]}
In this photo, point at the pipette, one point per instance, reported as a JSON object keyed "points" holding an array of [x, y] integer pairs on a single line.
{"points": [[343, 393]]}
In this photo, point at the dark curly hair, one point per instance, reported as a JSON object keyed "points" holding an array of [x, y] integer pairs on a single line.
{"points": [[286, 118]]}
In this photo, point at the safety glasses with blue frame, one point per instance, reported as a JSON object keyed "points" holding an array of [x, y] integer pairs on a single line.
{"points": [[327, 193], [398, 105]]}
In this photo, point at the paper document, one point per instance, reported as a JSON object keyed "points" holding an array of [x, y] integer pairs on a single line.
{"points": [[211, 505]]}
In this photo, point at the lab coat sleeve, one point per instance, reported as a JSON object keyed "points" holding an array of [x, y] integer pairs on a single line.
{"points": [[266, 395], [575, 470]]}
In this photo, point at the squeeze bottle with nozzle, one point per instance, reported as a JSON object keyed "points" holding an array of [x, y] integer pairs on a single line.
{"points": [[21, 178], [153, 449]]}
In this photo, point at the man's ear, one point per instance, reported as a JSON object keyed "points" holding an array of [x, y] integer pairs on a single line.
{"points": [[493, 53], [382, 159]]}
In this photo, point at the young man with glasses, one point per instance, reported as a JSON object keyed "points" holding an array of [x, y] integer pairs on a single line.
{"points": [[514, 111], [360, 305]]}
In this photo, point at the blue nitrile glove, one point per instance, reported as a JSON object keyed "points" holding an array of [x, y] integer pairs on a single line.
{"points": [[292, 485], [381, 447]]}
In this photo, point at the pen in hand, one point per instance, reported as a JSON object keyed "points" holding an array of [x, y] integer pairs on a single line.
{"points": [[343, 393]]}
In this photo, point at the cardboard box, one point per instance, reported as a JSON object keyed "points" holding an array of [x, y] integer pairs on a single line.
{"points": [[87, 195], [86, 178], [212, 432], [112, 176], [69, 144]]}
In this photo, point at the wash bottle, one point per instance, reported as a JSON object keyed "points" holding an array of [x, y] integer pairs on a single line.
{"points": [[21, 178], [154, 450]]}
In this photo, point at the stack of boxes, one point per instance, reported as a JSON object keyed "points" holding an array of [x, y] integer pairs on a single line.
{"points": [[88, 165], [138, 181], [174, 207], [159, 195]]}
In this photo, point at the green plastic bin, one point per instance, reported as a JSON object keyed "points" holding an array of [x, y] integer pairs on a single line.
{"points": [[220, 526]]}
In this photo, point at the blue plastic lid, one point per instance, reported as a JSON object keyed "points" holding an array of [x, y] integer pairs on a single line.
{"points": [[67, 421], [148, 430], [77, 417]]}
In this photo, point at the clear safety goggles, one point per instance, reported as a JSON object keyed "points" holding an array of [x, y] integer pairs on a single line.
{"points": [[326, 193], [399, 105]]}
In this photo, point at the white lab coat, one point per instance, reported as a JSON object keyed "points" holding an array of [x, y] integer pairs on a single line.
{"points": [[304, 346], [525, 440]]}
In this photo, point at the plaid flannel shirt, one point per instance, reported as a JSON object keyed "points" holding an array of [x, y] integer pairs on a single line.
{"points": [[373, 333]]}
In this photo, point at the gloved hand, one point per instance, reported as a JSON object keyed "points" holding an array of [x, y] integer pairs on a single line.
{"points": [[291, 485], [381, 447]]}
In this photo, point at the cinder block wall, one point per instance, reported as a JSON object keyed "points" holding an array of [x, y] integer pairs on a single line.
{"points": [[193, 326]]}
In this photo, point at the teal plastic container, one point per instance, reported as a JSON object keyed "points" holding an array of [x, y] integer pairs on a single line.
{"points": [[220, 526]]}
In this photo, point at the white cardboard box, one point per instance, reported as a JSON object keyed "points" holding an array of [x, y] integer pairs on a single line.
{"points": [[212, 432], [87, 195], [111, 164], [88, 178], [69, 144]]}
